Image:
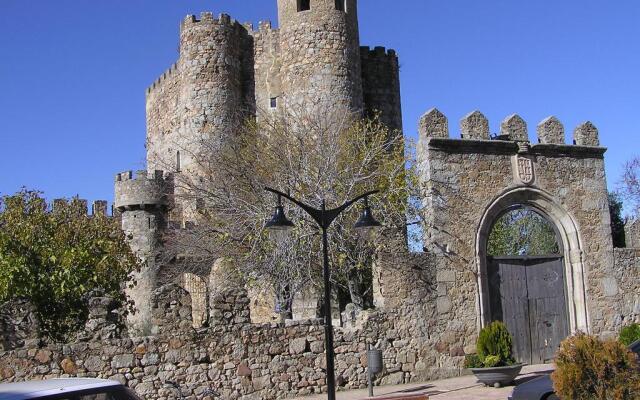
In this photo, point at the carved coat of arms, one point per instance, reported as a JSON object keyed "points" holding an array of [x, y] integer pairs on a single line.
{"points": [[525, 170]]}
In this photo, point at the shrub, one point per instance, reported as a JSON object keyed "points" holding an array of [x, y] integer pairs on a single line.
{"points": [[495, 341], [472, 361], [589, 368], [630, 334]]}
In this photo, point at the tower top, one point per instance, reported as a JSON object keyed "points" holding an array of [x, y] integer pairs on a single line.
{"points": [[309, 11]]}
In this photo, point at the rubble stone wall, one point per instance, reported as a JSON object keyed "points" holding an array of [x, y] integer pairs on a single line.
{"points": [[626, 306], [241, 360]]}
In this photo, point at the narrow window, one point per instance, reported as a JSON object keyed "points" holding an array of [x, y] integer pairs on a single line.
{"points": [[304, 5], [274, 102], [340, 5], [178, 162]]}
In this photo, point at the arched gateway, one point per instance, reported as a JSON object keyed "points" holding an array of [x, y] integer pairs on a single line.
{"points": [[540, 297], [469, 183]]}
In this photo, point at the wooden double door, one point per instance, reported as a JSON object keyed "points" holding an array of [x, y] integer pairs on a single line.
{"points": [[528, 295]]}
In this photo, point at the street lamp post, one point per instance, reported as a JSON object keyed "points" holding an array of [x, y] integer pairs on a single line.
{"points": [[324, 218]]}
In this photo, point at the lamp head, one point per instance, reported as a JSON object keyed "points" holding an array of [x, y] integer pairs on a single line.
{"points": [[366, 223], [279, 221]]}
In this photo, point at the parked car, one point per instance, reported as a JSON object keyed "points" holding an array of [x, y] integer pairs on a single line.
{"points": [[67, 389], [542, 388]]}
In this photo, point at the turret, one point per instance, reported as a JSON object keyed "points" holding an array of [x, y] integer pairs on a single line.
{"points": [[142, 200], [320, 53], [207, 94]]}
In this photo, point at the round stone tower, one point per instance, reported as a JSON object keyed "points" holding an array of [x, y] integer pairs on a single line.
{"points": [[320, 52], [142, 202], [206, 94]]}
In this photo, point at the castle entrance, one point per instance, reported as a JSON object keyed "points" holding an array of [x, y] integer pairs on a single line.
{"points": [[526, 283]]}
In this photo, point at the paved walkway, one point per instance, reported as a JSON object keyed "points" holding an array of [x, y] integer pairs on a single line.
{"points": [[461, 388]]}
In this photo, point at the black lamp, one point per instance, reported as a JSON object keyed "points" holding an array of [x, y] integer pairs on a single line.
{"points": [[366, 223], [279, 221]]}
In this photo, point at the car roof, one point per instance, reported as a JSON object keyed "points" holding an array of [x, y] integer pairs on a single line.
{"points": [[36, 389]]}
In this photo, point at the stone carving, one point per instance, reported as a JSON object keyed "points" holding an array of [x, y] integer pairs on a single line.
{"points": [[525, 169]]}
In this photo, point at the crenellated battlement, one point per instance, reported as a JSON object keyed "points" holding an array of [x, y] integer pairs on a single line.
{"points": [[145, 189], [169, 73], [379, 52], [142, 175], [475, 126], [265, 26], [208, 18], [98, 207]]}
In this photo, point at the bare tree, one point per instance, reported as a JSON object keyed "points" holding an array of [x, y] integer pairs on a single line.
{"points": [[630, 185], [330, 155]]}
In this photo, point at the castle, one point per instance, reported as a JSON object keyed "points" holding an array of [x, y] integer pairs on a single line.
{"points": [[227, 72], [429, 307]]}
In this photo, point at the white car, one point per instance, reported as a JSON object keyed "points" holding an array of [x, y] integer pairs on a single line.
{"points": [[67, 389]]}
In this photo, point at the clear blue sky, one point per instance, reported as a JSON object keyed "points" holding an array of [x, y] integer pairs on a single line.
{"points": [[73, 74]]}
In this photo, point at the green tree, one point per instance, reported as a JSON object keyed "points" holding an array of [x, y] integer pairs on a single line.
{"points": [[55, 259], [617, 223], [522, 232]]}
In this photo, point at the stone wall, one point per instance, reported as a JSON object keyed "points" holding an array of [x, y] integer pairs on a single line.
{"points": [[625, 288], [18, 324], [632, 233], [268, 81], [241, 360]]}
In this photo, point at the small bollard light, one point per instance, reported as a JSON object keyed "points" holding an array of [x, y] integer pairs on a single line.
{"points": [[374, 365]]}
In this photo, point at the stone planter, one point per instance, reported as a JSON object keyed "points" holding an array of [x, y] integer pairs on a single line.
{"points": [[497, 376]]}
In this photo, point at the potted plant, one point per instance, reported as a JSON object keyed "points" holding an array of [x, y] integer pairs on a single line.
{"points": [[494, 364]]}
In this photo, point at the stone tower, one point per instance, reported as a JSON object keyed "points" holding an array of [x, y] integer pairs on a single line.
{"points": [[142, 202], [320, 53], [206, 94]]}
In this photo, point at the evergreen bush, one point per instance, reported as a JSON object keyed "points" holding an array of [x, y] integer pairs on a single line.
{"points": [[630, 334], [495, 341], [588, 368], [494, 348]]}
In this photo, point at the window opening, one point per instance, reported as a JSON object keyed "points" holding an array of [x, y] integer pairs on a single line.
{"points": [[274, 102], [304, 5], [340, 6], [178, 162]]}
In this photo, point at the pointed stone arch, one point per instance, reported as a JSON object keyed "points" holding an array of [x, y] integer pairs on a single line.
{"points": [[568, 237]]}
